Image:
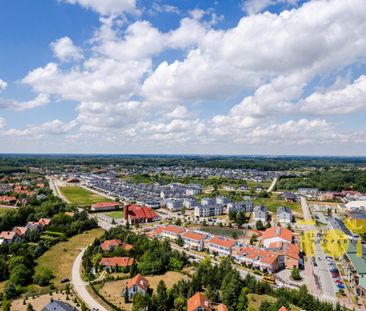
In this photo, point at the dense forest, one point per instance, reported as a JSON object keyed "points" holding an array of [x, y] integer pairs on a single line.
{"points": [[19, 162], [334, 180]]}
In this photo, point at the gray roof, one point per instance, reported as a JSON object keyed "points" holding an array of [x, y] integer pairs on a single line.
{"points": [[283, 209], [56, 305]]}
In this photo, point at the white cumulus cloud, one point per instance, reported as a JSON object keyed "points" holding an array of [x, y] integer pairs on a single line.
{"points": [[65, 50]]}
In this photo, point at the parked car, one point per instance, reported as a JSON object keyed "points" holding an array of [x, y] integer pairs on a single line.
{"points": [[341, 286]]}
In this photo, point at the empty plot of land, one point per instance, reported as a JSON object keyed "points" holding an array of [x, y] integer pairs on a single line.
{"points": [[112, 290], [81, 196], [115, 214], [40, 302], [59, 258]]}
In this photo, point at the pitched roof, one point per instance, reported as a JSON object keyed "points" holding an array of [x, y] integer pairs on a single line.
{"points": [[258, 254], [283, 308], [56, 305], [139, 281], [127, 247], [7, 235], [194, 235], [117, 262], [198, 300], [44, 221], [277, 232], [20, 230], [108, 244], [222, 307], [224, 242], [174, 229], [136, 212]]}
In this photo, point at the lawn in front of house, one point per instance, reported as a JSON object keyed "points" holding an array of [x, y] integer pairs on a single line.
{"points": [[115, 214], [81, 196], [274, 201], [60, 257], [3, 210]]}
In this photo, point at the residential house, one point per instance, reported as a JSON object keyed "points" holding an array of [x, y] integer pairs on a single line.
{"points": [[208, 210], [354, 263], [137, 284], [221, 246], [275, 235], [140, 214], [7, 237], [222, 200], [110, 245], [194, 240], [21, 231], [289, 197], [258, 258], [207, 201], [44, 222], [174, 205], [172, 232], [222, 307], [5, 199], [260, 212], [190, 203], [116, 262], [308, 192], [284, 214], [243, 207], [56, 305], [198, 302]]}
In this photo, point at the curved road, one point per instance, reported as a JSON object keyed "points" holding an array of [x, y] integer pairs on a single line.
{"points": [[80, 286]]}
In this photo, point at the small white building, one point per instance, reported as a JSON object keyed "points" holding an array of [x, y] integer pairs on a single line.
{"points": [[208, 210], [137, 284], [174, 205]]}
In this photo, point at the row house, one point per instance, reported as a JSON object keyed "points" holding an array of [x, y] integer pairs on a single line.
{"points": [[208, 210], [7, 237], [174, 205], [258, 258], [240, 207], [261, 213], [221, 246], [284, 214], [190, 203], [194, 240], [172, 232]]}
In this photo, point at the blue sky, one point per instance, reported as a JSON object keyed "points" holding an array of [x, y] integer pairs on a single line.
{"points": [[217, 77]]}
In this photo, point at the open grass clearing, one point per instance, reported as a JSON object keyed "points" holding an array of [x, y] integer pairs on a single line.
{"points": [[255, 300], [224, 231], [274, 201], [81, 196], [3, 210], [60, 257], [115, 214]]}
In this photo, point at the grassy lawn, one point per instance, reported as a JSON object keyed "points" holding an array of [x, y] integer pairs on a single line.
{"points": [[224, 231], [255, 301], [3, 210], [59, 258], [273, 202], [115, 214], [81, 196]]}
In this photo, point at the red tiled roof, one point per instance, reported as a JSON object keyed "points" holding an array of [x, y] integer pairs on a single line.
{"points": [[6, 198], [277, 232], [21, 231], [108, 244], [105, 204], [174, 229], [117, 262], [283, 308], [127, 247], [44, 221], [258, 254], [139, 281], [137, 212], [7, 235], [194, 235], [224, 242], [222, 307], [198, 300]]}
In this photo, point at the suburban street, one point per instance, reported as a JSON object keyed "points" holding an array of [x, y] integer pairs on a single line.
{"points": [[80, 286], [327, 289]]}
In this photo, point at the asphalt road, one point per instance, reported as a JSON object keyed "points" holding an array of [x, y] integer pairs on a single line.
{"points": [[80, 286], [326, 281]]}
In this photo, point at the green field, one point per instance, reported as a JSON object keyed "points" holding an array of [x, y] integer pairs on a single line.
{"points": [[81, 196], [224, 231], [115, 214], [273, 202], [3, 210], [60, 257]]}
